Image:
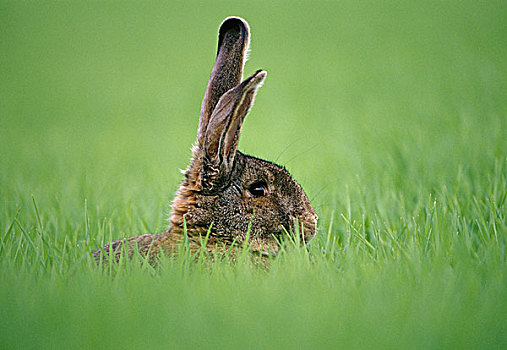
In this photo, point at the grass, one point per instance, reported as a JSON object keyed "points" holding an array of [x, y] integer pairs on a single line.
{"points": [[393, 117]]}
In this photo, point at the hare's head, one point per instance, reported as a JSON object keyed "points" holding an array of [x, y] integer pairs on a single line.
{"points": [[224, 189]]}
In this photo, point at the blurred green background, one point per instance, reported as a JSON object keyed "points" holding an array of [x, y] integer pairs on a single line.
{"points": [[381, 110]]}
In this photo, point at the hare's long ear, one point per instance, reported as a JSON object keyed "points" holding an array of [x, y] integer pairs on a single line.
{"points": [[224, 128], [233, 41]]}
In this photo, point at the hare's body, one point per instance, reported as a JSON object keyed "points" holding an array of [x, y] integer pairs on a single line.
{"points": [[226, 192]]}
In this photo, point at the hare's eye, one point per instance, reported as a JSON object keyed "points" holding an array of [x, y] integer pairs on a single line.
{"points": [[258, 189]]}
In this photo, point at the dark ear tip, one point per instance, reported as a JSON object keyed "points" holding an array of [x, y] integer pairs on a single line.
{"points": [[255, 79], [236, 25]]}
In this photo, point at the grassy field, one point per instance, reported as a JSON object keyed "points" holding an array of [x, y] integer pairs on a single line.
{"points": [[392, 116]]}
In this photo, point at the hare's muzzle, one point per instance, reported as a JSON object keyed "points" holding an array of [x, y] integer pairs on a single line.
{"points": [[305, 227]]}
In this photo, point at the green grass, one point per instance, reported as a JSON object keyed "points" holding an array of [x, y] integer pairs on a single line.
{"points": [[393, 117]]}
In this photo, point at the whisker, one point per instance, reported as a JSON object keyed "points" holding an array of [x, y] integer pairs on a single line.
{"points": [[318, 193], [300, 154], [286, 148]]}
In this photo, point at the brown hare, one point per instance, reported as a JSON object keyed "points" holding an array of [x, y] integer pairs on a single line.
{"points": [[225, 192]]}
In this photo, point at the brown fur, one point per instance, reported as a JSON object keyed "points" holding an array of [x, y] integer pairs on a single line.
{"points": [[218, 192]]}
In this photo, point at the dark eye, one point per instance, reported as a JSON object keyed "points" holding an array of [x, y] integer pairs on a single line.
{"points": [[258, 189]]}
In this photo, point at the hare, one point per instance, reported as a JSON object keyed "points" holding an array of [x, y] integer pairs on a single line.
{"points": [[226, 194]]}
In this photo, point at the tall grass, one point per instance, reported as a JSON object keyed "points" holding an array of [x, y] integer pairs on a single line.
{"points": [[392, 116]]}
